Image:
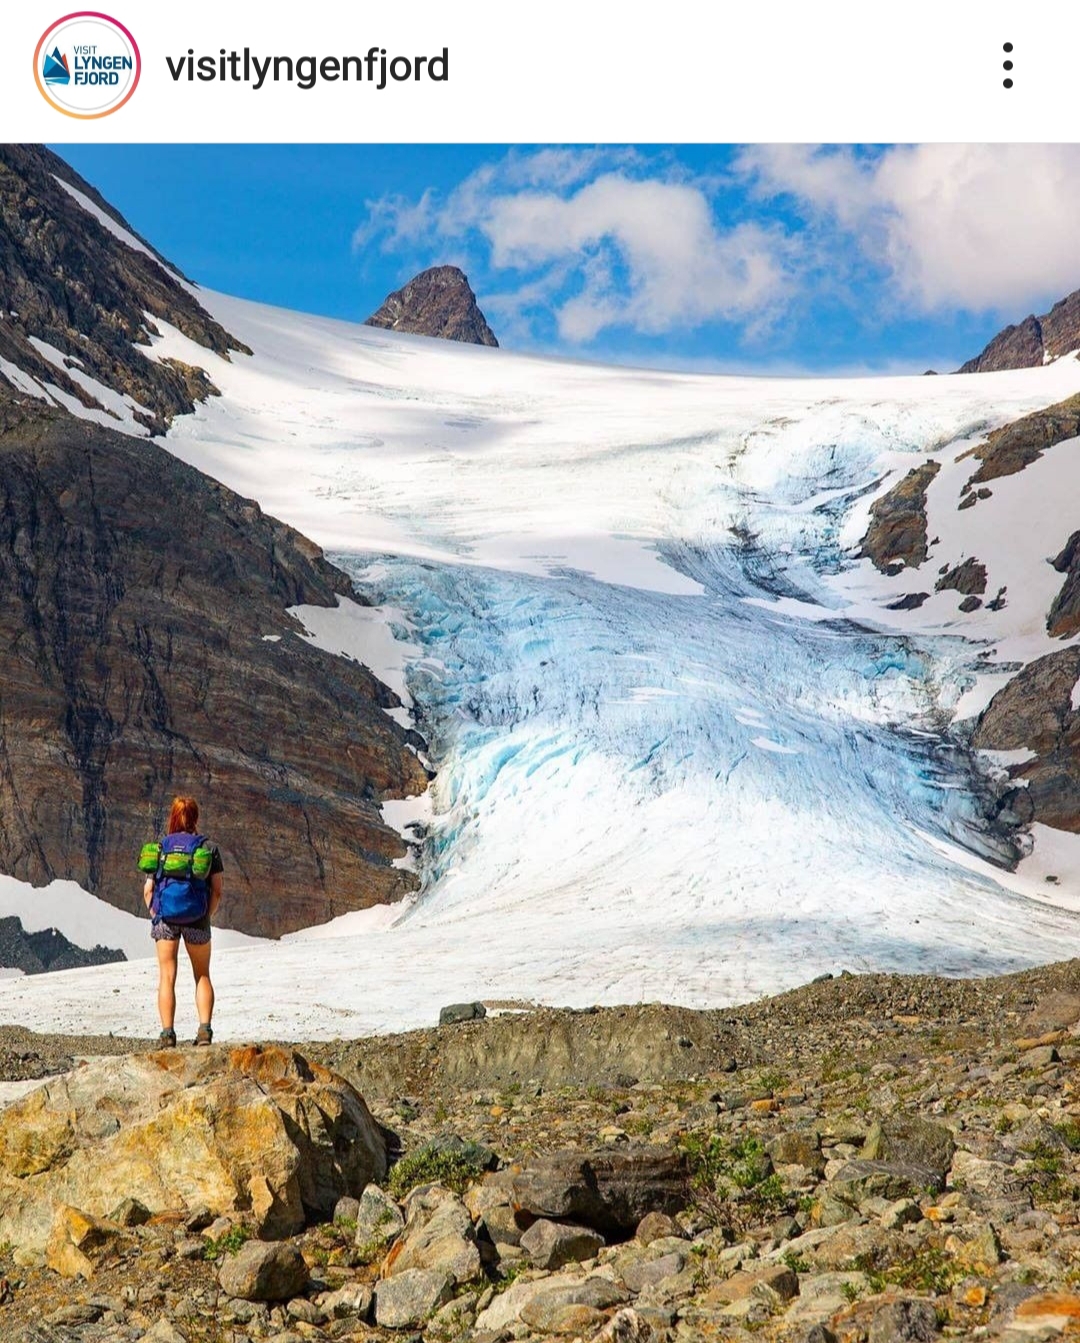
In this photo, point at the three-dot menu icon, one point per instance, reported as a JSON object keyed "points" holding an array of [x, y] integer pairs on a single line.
{"points": [[1007, 65]]}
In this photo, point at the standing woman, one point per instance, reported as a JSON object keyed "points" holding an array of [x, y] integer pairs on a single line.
{"points": [[182, 895]]}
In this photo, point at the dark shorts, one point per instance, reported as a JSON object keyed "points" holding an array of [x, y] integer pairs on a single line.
{"points": [[196, 934]]}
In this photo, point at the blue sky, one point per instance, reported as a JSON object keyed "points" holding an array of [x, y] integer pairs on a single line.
{"points": [[768, 258]]}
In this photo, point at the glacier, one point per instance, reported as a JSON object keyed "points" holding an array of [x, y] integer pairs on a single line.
{"points": [[683, 750]]}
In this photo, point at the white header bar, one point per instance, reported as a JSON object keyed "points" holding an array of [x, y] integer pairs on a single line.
{"points": [[566, 71]]}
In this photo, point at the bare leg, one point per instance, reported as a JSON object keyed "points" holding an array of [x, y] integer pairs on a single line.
{"points": [[166, 993], [199, 955]]}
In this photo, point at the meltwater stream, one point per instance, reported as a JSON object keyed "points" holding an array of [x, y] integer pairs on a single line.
{"points": [[698, 796]]}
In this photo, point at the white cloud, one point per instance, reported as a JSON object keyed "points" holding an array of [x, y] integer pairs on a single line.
{"points": [[575, 231], [977, 227], [652, 255], [592, 240]]}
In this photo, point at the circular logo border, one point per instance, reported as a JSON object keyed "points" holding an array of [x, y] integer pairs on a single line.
{"points": [[86, 14]]}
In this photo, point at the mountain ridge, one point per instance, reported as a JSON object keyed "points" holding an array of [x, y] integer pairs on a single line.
{"points": [[438, 302], [1032, 342]]}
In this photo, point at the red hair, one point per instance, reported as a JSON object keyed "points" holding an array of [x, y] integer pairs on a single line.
{"points": [[184, 815]]}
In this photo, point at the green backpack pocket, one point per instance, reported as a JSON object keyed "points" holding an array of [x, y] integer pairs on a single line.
{"points": [[149, 858], [177, 865]]}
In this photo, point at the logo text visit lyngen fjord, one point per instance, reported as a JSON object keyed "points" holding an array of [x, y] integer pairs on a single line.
{"points": [[87, 65]]}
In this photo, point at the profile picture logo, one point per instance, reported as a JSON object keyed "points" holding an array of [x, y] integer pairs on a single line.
{"points": [[87, 65]]}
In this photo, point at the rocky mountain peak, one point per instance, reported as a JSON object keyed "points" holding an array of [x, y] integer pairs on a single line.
{"points": [[80, 297], [438, 302], [1034, 341]]}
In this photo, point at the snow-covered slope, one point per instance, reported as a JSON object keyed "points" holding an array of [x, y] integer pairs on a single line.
{"points": [[683, 750]]}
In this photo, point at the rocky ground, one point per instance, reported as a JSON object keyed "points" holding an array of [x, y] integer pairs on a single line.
{"points": [[868, 1158]]}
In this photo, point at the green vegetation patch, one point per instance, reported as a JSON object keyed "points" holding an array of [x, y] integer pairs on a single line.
{"points": [[229, 1243], [455, 1168], [732, 1181]]}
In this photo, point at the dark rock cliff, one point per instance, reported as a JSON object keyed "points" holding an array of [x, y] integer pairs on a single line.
{"points": [[136, 597], [40, 952], [1064, 617], [67, 280], [145, 645], [437, 302], [1034, 341], [1035, 712]]}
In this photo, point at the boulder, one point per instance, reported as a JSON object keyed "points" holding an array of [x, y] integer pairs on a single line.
{"points": [[353, 1301], [904, 1322], [455, 1318], [550, 1245], [651, 1272], [257, 1132], [990, 1179], [77, 1242], [910, 1141], [798, 1148], [977, 1249], [655, 1225], [454, 1013], [860, 1179], [547, 1316], [130, 1212], [610, 1190], [347, 1208], [408, 1299], [264, 1271], [490, 1203], [1053, 1312], [903, 1212], [1059, 1010], [438, 1236], [776, 1282], [544, 1297], [378, 1220]]}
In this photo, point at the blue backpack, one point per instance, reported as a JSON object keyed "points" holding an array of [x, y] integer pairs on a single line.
{"points": [[181, 872]]}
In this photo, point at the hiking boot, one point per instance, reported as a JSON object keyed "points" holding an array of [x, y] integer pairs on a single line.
{"points": [[167, 1039], [204, 1035]]}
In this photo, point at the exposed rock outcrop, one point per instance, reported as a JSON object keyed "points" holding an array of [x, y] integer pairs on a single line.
{"points": [[69, 281], [1035, 341], [36, 953], [248, 1131], [1064, 617], [438, 302], [911, 601], [967, 578], [896, 535], [1016, 445], [145, 648], [1035, 711]]}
